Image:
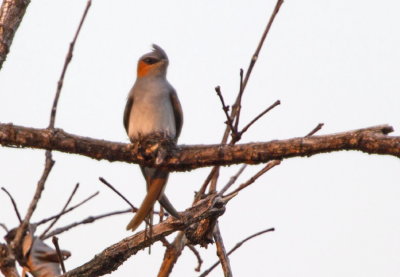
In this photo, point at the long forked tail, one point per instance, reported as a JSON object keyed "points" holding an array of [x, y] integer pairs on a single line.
{"points": [[155, 189]]}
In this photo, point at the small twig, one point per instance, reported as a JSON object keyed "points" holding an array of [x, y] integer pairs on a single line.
{"points": [[206, 272], [16, 243], [221, 252], [13, 203], [60, 257], [238, 104], [4, 227], [197, 254], [203, 188], [254, 58], [254, 120], [225, 108], [316, 129], [243, 85], [87, 220], [67, 211], [232, 180], [267, 167], [260, 44], [61, 213], [118, 193], [68, 59]]}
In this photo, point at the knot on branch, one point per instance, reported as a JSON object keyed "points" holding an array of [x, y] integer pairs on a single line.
{"points": [[154, 148], [202, 232]]}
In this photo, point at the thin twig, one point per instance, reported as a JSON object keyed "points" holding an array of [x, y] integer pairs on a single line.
{"points": [[232, 180], [68, 59], [206, 272], [260, 44], [243, 86], [197, 254], [60, 257], [238, 106], [66, 211], [60, 214], [203, 188], [254, 120], [17, 242], [13, 203], [225, 108], [221, 252], [87, 220], [267, 167], [4, 227], [254, 58], [316, 129], [118, 193]]}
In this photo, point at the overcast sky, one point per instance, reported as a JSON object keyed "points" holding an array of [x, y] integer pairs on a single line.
{"points": [[335, 62]]}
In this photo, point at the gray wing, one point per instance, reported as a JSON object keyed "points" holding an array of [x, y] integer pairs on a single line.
{"points": [[178, 114], [127, 113]]}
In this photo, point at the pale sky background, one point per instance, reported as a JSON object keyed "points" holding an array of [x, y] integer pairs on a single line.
{"points": [[335, 62]]}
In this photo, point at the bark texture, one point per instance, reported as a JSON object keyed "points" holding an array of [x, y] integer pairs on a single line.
{"points": [[373, 140], [11, 14], [112, 257]]}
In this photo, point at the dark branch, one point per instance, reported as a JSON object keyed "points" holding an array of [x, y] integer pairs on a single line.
{"points": [[316, 129], [17, 241], [373, 140], [61, 213], [198, 257], [14, 204], [60, 256], [232, 180], [66, 211], [221, 252], [112, 257], [225, 108], [118, 193], [87, 220], [68, 59], [205, 273], [266, 168]]}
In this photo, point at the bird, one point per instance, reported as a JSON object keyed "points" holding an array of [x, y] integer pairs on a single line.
{"points": [[153, 108]]}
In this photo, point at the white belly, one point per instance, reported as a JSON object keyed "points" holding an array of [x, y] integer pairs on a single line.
{"points": [[150, 115]]}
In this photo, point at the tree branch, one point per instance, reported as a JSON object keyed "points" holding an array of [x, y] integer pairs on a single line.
{"points": [[373, 140], [112, 257], [7, 262], [11, 14]]}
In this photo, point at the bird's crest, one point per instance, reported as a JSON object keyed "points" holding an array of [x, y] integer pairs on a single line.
{"points": [[159, 52]]}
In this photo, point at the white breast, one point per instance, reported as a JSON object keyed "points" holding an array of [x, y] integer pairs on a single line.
{"points": [[152, 110]]}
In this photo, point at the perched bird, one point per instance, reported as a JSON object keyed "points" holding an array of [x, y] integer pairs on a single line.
{"points": [[153, 108]]}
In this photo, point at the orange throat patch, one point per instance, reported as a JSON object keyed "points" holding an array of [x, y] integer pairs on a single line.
{"points": [[144, 69]]}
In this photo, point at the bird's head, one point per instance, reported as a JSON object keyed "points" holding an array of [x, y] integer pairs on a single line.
{"points": [[154, 63]]}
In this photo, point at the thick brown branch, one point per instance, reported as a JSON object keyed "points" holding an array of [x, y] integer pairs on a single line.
{"points": [[11, 14], [112, 257], [173, 252], [373, 140]]}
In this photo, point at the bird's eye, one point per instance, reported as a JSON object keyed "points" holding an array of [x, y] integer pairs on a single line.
{"points": [[150, 60]]}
